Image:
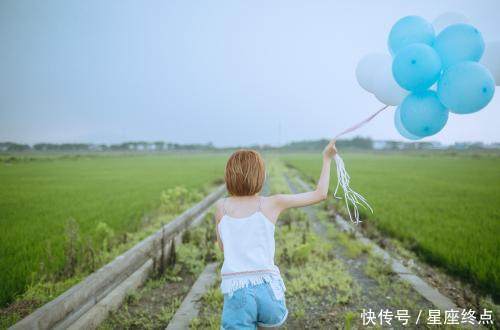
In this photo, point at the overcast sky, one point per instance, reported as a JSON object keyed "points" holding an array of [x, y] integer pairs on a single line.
{"points": [[230, 72]]}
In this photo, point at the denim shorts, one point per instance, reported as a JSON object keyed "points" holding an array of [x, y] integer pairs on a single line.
{"points": [[260, 305]]}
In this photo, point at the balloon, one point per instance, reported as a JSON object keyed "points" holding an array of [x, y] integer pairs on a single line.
{"points": [[466, 87], [446, 19], [366, 67], [400, 127], [409, 30], [459, 42], [386, 89], [491, 59], [422, 114], [416, 67]]}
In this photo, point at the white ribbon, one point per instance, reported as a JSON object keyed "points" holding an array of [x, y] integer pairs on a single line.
{"points": [[352, 198]]}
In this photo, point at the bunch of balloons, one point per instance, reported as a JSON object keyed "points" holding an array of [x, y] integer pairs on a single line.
{"points": [[433, 69]]}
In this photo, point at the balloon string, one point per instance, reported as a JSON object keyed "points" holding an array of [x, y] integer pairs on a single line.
{"points": [[358, 125], [352, 198]]}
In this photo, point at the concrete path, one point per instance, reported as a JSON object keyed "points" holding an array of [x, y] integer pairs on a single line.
{"points": [[189, 308]]}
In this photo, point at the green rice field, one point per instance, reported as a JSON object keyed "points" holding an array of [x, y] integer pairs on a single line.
{"points": [[447, 208], [59, 210], [100, 196]]}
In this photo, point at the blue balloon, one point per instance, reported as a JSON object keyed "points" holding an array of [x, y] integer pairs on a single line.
{"points": [[401, 129], [459, 42], [466, 87], [409, 30], [422, 114], [416, 67]]}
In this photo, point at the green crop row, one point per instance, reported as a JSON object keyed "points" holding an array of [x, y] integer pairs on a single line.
{"points": [[444, 208], [61, 218]]}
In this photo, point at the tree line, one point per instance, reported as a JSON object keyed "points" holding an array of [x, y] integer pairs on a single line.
{"points": [[311, 145], [125, 146]]}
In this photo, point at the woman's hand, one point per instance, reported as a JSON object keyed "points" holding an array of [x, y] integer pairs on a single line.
{"points": [[330, 151]]}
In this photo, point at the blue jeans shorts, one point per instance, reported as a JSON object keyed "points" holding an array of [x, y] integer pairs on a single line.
{"points": [[260, 305]]}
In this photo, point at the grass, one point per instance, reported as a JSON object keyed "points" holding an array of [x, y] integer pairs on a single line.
{"points": [[330, 276], [443, 207], [314, 279], [154, 305], [52, 208], [88, 209]]}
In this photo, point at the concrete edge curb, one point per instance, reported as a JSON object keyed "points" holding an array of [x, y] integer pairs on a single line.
{"points": [[80, 299], [189, 307]]}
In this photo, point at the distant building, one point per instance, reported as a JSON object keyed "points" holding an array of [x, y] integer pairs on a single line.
{"points": [[495, 145], [380, 145]]}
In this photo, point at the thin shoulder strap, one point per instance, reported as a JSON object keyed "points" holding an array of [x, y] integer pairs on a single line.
{"points": [[260, 203]]}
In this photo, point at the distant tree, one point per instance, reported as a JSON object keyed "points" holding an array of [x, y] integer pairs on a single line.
{"points": [[159, 145], [11, 146], [392, 145], [423, 145], [476, 145], [74, 147], [41, 146], [357, 142]]}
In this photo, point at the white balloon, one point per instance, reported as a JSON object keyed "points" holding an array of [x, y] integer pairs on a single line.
{"points": [[491, 59], [366, 68], [386, 89], [447, 19]]}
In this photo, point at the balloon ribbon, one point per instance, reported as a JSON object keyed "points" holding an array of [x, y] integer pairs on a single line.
{"points": [[351, 198]]}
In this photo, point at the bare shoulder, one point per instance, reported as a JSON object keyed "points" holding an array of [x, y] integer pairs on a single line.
{"points": [[271, 199], [219, 202], [270, 207], [219, 209]]}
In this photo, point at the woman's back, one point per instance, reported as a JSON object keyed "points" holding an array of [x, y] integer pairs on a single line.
{"points": [[248, 242], [254, 292]]}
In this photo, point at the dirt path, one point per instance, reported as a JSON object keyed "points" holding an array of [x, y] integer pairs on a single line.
{"points": [[331, 277], [354, 265], [377, 287]]}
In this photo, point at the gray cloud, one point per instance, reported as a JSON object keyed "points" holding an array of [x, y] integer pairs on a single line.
{"points": [[230, 72]]}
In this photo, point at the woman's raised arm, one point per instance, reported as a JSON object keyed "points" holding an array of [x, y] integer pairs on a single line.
{"points": [[286, 201]]}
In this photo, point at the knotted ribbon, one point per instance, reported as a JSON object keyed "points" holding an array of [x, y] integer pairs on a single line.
{"points": [[352, 198]]}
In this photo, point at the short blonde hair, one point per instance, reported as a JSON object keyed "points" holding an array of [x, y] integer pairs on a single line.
{"points": [[245, 173]]}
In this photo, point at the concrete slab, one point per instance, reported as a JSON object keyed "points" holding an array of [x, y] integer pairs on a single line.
{"points": [[190, 305]]}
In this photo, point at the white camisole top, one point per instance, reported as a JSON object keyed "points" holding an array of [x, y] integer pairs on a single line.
{"points": [[249, 249]]}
